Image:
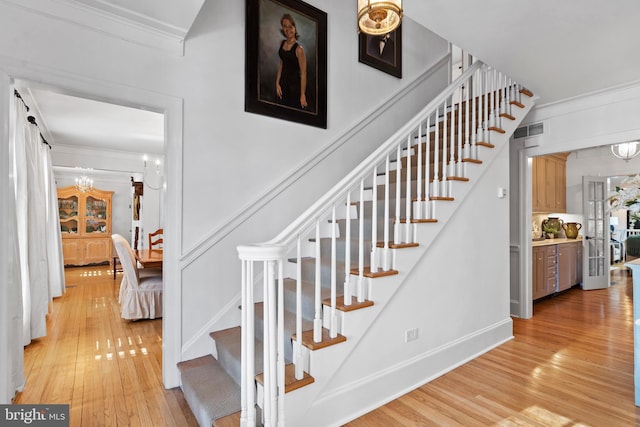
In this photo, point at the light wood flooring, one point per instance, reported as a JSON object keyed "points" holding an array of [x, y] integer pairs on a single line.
{"points": [[570, 365], [109, 370]]}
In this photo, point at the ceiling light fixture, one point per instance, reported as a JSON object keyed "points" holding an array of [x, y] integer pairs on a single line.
{"points": [[626, 150], [378, 17], [84, 183]]}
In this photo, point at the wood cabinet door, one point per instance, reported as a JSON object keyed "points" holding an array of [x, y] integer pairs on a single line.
{"points": [[72, 251], [539, 273], [566, 266], [539, 201], [561, 186], [97, 250], [550, 184]]}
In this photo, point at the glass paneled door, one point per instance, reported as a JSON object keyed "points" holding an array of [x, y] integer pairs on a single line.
{"points": [[595, 207]]}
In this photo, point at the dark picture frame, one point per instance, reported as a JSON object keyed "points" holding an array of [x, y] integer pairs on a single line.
{"points": [[385, 57], [263, 42]]}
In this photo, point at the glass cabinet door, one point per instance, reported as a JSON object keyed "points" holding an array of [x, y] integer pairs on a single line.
{"points": [[68, 212], [96, 216]]}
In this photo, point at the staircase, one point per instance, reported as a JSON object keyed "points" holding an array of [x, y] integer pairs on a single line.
{"points": [[315, 290]]}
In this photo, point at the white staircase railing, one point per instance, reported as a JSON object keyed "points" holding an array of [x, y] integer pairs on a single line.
{"points": [[366, 223]]}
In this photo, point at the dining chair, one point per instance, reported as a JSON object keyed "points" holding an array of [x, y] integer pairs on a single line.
{"points": [[156, 239], [140, 291]]}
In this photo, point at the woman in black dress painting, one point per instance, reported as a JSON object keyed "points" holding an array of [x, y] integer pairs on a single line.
{"points": [[291, 79]]}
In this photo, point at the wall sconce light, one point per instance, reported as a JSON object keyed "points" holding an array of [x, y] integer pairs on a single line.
{"points": [[147, 179], [626, 150], [378, 17]]}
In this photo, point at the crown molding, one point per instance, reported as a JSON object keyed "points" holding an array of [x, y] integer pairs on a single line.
{"points": [[115, 21]]}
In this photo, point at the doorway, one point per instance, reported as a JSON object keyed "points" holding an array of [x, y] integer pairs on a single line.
{"points": [[171, 108]]}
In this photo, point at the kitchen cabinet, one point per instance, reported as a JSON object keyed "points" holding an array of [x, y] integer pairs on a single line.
{"points": [[556, 267], [570, 266], [85, 225], [549, 177], [544, 271]]}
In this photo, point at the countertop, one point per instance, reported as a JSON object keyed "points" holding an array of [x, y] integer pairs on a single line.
{"points": [[556, 241]]}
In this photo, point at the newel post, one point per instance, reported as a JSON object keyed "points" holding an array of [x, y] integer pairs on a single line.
{"points": [[260, 261]]}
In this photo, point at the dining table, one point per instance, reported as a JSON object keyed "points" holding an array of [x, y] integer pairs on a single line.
{"points": [[149, 258]]}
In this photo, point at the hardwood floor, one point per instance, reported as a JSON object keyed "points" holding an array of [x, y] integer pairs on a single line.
{"points": [[570, 365], [108, 369]]}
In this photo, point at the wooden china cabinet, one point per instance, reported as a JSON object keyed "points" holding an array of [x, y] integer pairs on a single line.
{"points": [[85, 225]]}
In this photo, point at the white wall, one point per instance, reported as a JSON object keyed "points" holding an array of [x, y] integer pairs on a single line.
{"points": [[234, 165]]}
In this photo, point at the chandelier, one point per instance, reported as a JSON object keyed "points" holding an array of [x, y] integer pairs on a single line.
{"points": [[84, 183], [626, 150], [379, 17]]}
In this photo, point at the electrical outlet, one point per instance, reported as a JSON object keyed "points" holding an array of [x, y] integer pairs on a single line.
{"points": [[411, 335]]}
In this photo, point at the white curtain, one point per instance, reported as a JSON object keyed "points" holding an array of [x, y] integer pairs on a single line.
{"points": [[12, 303], [54, 240], [40, 245]]}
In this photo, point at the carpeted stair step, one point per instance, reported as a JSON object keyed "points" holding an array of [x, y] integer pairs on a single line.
{"points": [[208, 389], [289, 329], [308, 297], [228, 347]]}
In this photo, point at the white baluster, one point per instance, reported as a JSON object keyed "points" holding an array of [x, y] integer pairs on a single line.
{"points": [[435, 188], [334, 321], [317, 320], [419, 214], [427, 173], [273, 341], [485, 111], [387, 207], [247, 395], [281, 360], [374, 224], [445, 143], [396, 223], [361, 245], [407, 214], [347, 255], [461, 117], [297, 357]]}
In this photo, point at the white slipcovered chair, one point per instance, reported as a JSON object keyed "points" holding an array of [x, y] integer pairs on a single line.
{"points": [[141, 289]]}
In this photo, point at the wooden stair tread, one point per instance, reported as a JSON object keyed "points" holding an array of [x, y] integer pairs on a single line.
{"points": [[448, 199], [290, 381], [423, 220], [457, 178], [526, 92], [393, 245], [496, 129], [340, 305], [368, 273], [517, 104], [485, 144], [470, 160], [326, 340], [507, 116], [413, 221]]}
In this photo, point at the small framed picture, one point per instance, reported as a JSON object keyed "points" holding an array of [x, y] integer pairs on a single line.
{"points": [[286, 61], [383, 52]]}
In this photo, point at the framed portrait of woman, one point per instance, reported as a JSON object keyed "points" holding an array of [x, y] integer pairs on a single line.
{"points": [[286, 61]]}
